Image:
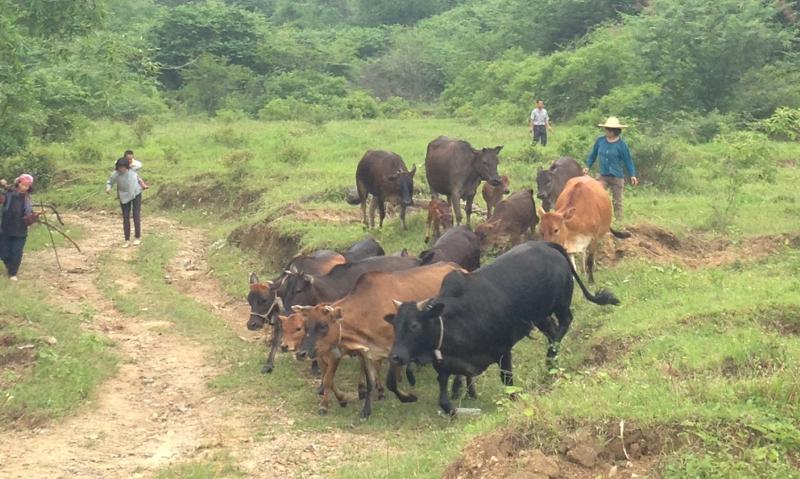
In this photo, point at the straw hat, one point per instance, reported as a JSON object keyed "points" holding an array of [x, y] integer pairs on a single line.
{"points": [[612, 122]]}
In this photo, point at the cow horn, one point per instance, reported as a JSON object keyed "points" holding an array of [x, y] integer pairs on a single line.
{"points": [[268, 283], [296, 308], [286, 271], [308, 278], [422, 304], [293, 269], [329, 308], [397, 303]]}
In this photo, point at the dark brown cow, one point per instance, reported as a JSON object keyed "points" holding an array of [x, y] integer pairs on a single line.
{"points": [[366, 248], [355, 326], [493, 194], [440, 218], [383, 175], [513, 218], [455, 169], [458, 245], [550, 183], [264, 298]]}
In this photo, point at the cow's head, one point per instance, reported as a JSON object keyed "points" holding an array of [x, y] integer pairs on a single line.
{"points": [[486, 161], [492, 234], [296, 288], [293, 332], [544, 186], [416, 331], [261, 299], [504, 182], [553, 225], [404, 182], [320, 328]]}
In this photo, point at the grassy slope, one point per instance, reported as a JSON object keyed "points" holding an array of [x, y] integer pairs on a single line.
{"points": [[692, 323]]}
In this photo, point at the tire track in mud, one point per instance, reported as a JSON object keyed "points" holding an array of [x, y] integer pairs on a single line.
{"points": [[158, 409]]}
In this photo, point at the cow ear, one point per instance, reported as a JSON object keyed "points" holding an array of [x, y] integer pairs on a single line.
{"points": [[498, 148], [397, 303], [540, 211], [389, 318], [569, 213], [413, 170], [253, 278], [425, 257]]}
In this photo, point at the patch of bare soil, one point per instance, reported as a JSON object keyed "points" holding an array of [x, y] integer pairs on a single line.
{"points": [[694, 250], [608, 350], [207, 193], [606, 452], [158, 410], [276, 248]]}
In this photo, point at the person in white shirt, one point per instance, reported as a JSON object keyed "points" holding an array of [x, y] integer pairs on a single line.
{"points": [[539, 123]]}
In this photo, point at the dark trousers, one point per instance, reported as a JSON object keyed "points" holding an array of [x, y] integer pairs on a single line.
{"points": [[11, 252], [135, 205], [540, 134]]}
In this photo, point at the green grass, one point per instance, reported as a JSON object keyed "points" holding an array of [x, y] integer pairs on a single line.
{"points": [[64, 363], [217, 467], [708, 355]]}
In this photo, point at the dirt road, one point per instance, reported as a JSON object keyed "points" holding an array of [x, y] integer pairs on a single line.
{"points": [[158, 409]]}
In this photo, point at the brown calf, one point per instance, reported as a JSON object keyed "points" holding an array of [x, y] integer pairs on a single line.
{"points": [[513, 221], [355, 326], [439, 216], [494, 194]]}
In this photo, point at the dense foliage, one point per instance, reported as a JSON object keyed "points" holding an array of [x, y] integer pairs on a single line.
{"points": [[654, 61]]}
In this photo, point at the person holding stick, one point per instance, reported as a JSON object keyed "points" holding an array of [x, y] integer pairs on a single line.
{"points": [[17, 216]]}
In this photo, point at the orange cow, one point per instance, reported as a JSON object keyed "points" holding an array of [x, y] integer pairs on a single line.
{"points": [[581, 218]]}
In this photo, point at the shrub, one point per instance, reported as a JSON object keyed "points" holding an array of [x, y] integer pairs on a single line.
{"points": [[394, 106], [291, 153], [227, 136], [784, 124], [658, 161], [171, 154], [229, 116], [237, 162], [142, 127], [530, 154], [37, 163], [88, 153]]}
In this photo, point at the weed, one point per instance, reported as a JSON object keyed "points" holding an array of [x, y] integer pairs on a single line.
{"points": [[142, 128], [228, 136], [291, 153], [237, 163]]}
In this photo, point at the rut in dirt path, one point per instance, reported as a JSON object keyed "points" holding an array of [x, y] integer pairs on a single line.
{"points": [[157, 410]]}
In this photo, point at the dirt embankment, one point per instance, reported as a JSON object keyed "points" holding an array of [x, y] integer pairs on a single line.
{"points": [[694, 250], [614, 450]]}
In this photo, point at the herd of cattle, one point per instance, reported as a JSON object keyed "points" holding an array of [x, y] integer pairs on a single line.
{"points": [[441, 307]]}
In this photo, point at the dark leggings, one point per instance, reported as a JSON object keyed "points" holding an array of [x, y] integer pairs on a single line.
{"points": [[11, 252], [136, 205]]}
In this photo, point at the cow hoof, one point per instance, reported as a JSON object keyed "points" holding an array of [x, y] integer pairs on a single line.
{"points": [[320, 391], [323, 411], [408, 398], [267, 369], [365, 414], [343, 403]]}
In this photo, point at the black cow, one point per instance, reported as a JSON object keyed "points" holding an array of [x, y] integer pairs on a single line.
{"points": [[265, 298], [455, 169], [550, 183], [458, 245], [478, 317], [366, 248], [383, 175]]}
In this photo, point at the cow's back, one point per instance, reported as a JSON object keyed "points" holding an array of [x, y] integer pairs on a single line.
{"points": [[341, 279], [319, 262], [366, 248], [447, 164], [592, 205], [458, 245], [518, 210]]}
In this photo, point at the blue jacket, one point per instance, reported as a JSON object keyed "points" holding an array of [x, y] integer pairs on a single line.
{"points": [[11, 219], [613, 156]]}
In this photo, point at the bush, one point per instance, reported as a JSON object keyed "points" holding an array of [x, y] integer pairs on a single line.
{"points": [[229, 116], [142, 128], [237, 163], [392, 107], [577, 144], [281, 109], [37, 163], [783, 125], [291, 153], [530, 154], [227, 136], [658, 161], [87, 153], [699, 128], [171, 154]]}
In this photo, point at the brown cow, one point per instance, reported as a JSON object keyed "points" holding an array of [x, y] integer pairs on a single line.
{"points": [[383, 175], [455, 169], [551, 182], [514, 217], [355, 326], [440, 218], [493, 194], [582, 217]]}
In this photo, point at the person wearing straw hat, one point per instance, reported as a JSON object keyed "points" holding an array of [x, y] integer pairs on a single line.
{"points": [[614, 156]]}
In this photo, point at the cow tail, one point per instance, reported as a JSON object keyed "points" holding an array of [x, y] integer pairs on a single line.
{"points": [[353, 199], [602, 297], [620, 234]]}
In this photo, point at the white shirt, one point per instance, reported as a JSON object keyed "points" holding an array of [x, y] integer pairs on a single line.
{"points": [[539, 117]]}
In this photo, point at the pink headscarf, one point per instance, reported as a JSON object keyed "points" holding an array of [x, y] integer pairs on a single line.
{"points": [[25, 179]]}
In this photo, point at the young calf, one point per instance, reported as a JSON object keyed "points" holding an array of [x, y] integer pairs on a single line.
{"points": [[514, 218], [355, 326], [440, 218], [493, 194]]}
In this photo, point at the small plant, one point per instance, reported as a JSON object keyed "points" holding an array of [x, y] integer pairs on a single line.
{"points": [[784, 124], [87, 153], [237, 162], [171, 154], [291, 153], [142, 127], [227, 136], [658, 161]]}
